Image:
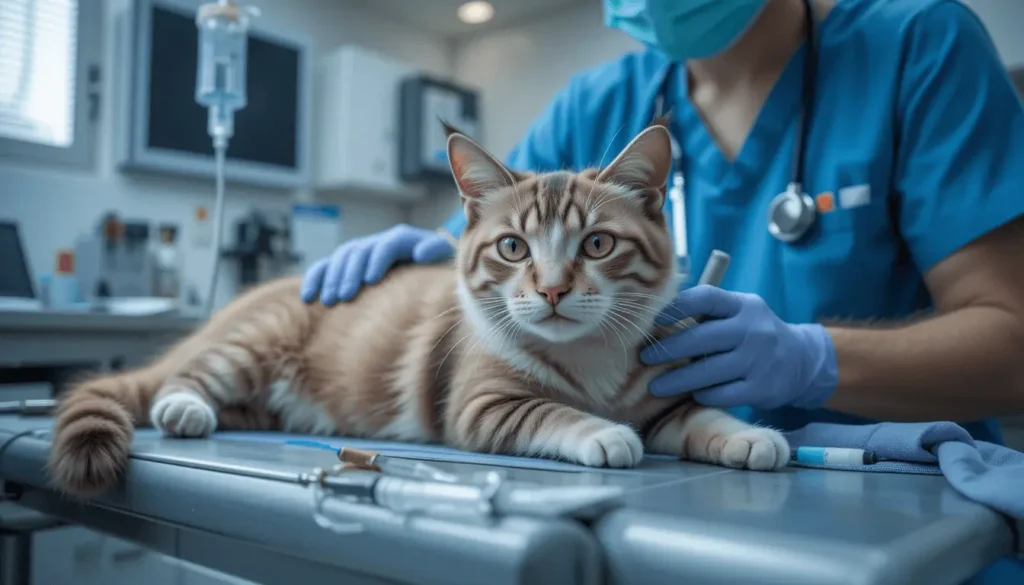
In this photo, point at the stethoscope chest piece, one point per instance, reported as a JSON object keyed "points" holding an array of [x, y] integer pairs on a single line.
{"points": [[790, 214]]}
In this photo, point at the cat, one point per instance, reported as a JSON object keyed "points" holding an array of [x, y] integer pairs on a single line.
{"points": [[526, 344]]}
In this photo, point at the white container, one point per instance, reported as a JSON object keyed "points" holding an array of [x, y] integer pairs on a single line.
{"points": [[357, 124]]}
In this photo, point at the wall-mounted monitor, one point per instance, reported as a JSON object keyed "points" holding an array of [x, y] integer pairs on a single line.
{"points": [[162, 129]]}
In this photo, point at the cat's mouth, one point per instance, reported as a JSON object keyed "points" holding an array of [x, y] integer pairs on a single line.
{"points": [[556, 318]]}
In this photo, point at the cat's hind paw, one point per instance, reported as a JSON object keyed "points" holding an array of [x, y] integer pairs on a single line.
{"points": [[757, 448], [183, 414], [611, 446]]}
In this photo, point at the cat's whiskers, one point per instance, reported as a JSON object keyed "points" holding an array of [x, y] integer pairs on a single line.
{"points": [[614, 323], [457, 343], [642, 311], [626, 314], [595, 318], [658, 298], [444, 335], [497, 334], [454, 307], [507, 333], [660, 304], [486, 335]]}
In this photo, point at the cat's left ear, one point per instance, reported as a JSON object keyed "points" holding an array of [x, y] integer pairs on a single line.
{"points": [[477, 173], [644, 165]]}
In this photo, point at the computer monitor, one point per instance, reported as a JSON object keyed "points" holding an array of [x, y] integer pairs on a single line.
{"points": [[15, 277], [164, 130]]}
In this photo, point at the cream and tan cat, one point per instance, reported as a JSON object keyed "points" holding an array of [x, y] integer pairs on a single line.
{"points": [[527, 345]]}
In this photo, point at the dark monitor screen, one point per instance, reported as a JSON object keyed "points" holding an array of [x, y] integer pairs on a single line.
{"points": [[265, 130], [15, 280]]}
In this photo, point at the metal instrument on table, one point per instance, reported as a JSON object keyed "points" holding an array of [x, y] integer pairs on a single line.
{"points": [[409, 488], [33, 407]]}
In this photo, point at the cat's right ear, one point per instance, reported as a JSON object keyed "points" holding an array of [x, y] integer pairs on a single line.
{"points": [[477, 173], [643, 166]]}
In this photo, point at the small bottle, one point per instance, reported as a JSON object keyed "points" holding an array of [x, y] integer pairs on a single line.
{"points": [[64, 284], [168, 271]]}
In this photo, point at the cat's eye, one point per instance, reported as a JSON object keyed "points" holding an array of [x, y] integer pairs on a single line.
{"points": [[513, 249], [598, 245]]}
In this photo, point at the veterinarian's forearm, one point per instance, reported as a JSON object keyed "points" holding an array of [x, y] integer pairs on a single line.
{"points": [[961, 366]]}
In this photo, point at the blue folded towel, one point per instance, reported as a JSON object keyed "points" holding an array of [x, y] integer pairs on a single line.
{"points": [[984, 472]]}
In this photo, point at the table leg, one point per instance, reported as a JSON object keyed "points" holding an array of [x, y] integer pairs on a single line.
{"points": [[16, 558]]}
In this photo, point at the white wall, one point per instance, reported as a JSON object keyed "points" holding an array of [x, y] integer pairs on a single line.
{"points": [[56, 205], [518, 70], [1005, 21]]}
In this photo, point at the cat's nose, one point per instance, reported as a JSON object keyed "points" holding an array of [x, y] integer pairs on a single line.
{"points": [[554, 294]]}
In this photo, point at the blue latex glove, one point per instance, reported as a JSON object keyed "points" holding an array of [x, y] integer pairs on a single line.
{"points": [[365, 261], [747, 355]]}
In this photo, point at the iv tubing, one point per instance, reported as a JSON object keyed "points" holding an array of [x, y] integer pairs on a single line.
{"points": [[220, 147]]}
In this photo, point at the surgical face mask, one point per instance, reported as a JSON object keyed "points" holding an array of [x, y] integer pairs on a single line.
{"points": [[683, 29]]}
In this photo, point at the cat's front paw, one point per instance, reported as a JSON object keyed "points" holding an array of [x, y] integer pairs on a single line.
{"points": [[183, 414], [610, 446], [758, 448]]}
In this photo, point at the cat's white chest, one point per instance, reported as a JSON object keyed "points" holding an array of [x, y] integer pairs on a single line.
{"points": [[590, 375], [603, 376]]}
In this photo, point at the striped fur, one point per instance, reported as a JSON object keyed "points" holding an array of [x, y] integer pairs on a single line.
{"points": [[532, 356]]}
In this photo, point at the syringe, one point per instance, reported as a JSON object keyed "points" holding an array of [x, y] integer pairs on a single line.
{"points": [[714, 272]]}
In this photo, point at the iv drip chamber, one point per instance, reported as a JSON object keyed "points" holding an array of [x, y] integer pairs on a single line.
{"points": [[221, 74]]}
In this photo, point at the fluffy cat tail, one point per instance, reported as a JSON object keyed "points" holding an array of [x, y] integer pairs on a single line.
{"points": [[92, 432]]}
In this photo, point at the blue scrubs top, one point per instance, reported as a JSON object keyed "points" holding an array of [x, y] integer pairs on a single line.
{"points": [[915, 148]]}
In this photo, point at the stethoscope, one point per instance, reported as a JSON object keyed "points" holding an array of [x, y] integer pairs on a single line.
{"points": [[790, 213]]}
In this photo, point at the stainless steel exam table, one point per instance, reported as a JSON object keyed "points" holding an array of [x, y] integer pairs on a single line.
{"points": [[198, 500]]}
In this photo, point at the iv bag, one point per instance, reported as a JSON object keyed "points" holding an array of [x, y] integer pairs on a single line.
{"points": [[223, 43]]}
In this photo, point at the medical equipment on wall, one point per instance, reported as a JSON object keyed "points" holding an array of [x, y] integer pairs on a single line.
{"points": [[792, 212], [423, 144], [261, 238], [116, 260], [220, 87]]}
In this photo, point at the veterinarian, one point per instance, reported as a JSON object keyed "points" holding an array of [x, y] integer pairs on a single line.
{"points": [[873, 177]]}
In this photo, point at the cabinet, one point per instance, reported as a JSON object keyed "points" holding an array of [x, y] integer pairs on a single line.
{"points": [[357, 130], [76, 555]]}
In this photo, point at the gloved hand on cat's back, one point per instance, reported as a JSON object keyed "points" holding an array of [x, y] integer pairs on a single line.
{"points": [[365, 261], [745, 355]]}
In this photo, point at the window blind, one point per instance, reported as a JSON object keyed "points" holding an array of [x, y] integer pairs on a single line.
{"points": [[38, 57]]}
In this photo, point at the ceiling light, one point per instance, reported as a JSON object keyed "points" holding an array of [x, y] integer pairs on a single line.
{"points": [[476, 12]]}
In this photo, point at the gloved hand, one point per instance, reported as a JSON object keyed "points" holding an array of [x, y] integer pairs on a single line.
{"points": [[752, 357], [366, 260]]}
